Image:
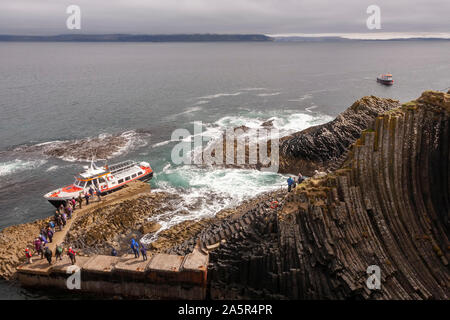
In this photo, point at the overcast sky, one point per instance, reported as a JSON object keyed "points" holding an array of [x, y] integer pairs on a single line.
{"points": [[44, 17]]}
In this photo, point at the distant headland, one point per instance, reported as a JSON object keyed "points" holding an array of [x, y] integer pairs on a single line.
{"points": [[137, 38], [215, 37]]}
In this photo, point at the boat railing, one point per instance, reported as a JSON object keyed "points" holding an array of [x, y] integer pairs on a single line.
{"points": [[121, 166]]}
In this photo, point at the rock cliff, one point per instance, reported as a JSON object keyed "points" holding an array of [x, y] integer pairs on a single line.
{"points": [[320, 147], [387, 205]]}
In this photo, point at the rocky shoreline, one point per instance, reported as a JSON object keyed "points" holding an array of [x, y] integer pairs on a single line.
{"points": [[384, 202]]}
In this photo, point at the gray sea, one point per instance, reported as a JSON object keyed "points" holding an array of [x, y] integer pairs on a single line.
{"points": [[67, 91]]}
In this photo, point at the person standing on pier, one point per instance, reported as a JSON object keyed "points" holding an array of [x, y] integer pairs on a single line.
{"points": [[28, 255], [73, 202], [80, 200], [69, 212], [135, 247], [58, 252], [99, 196], [59, 222], [48, 255], [71, 255], [144, 252], [50, 234]]}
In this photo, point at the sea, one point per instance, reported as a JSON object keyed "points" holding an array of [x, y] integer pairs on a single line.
{"points": [[52, 92]]}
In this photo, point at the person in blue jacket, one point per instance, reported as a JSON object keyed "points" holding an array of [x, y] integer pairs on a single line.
{"points": [[290, 183], [135, 247]]}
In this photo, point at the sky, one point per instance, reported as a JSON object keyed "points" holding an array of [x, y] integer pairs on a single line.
{"points": [[48, 17]]}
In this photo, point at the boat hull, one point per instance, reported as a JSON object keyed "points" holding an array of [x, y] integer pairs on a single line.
{"points": [[385, 82]]}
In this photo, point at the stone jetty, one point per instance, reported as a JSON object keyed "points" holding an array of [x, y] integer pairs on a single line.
{"points": [[162, 276]]}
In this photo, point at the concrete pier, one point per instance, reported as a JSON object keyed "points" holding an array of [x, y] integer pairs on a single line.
{"points": [[162, 276]]}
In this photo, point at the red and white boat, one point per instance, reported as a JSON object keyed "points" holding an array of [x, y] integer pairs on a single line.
{"points": [[106, 179]]}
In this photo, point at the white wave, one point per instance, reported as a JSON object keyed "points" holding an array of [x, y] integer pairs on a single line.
{"points": [[207, 192], [14, 166], [304, 97], [52, 168], [160, 144], [268, 94], [191, 110], [134, 139], [219, 95], [202, 102], [311, 108], [254, 89]]}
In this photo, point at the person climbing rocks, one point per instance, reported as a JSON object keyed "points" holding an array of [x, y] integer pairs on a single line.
{"points": [[114, 252], [58, 252], [61, 208], [300, 178], [73, 202], [91, 191], [50, 234], [86, 196], [80, 200], [48, 255], [28, 255], [135, 247], [290, 183], [71, 253], [144, 252]]}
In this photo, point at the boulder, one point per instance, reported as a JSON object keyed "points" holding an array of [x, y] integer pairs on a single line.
{"points": [[150, 227]]}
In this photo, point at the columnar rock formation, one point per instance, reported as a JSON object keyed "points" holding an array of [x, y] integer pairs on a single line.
{"points": [[320, 146], [388, 205]]}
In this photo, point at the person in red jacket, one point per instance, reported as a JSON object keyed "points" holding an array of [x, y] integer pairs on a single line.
{"points": [[71, 255], [28, 255]]}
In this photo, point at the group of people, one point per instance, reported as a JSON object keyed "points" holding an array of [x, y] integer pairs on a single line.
{"points": [[59, 221], [41, 248], [62, 215], [88, 195], [292, 183], [136, 247]]}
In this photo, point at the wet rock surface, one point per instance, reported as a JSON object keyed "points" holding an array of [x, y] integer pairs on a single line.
{"points": [[105, 146], [320, 147]]}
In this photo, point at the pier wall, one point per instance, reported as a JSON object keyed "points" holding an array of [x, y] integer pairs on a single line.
{"points": [[162, 276]]}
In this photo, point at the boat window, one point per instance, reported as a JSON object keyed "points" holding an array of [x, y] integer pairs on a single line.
{"points": [[120, 181], [79, 183], [134, 175], [101, 180], [89, 183], [140, 172], [127, 178]]}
